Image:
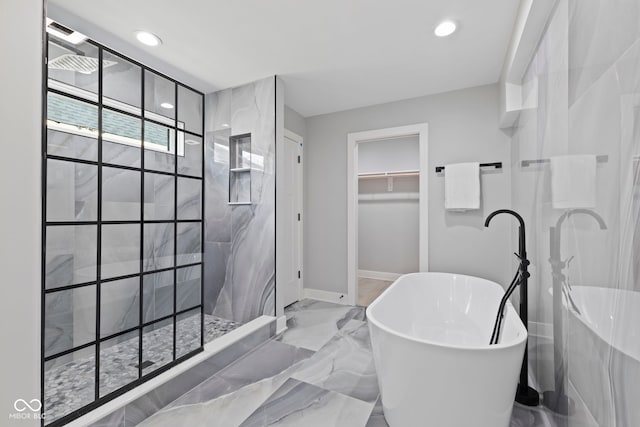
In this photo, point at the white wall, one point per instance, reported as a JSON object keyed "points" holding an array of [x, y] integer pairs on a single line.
{"points": [[295, 122], [388, 238], [463, 126], [20, 120]]}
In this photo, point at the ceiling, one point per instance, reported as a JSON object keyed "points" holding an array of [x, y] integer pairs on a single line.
{"points": [[333, 55]]}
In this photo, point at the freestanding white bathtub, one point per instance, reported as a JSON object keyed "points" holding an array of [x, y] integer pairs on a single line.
{"points": [[430, 335]]}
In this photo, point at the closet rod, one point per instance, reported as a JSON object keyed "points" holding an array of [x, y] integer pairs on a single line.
{"points": [[387, 174], [497, 165]]}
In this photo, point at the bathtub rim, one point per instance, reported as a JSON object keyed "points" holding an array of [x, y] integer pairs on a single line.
{"points": [[509, 308]]}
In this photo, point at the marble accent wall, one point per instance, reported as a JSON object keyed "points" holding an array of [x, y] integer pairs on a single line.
{"points": [[239, 247], [584, 300]]}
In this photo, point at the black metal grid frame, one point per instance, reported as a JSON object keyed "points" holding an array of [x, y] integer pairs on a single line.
{"points": [[99, 400]]}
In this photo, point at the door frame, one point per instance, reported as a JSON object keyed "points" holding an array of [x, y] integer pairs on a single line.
{"points": [[300, 140], [353, 139]]}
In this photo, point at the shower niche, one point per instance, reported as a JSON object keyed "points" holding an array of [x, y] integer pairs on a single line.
{"points": [[240, 169]]}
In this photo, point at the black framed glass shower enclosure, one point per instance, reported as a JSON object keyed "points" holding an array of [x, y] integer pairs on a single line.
{"points": [[122, 226]]}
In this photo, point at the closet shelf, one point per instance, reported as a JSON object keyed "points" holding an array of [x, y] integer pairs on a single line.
{"points": [[394, 174]]}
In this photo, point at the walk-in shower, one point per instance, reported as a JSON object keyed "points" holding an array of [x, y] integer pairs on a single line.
{"points": [[122, 229]]}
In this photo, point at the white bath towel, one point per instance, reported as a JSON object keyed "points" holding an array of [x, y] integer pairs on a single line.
{"points": [[573, 181], [462, 186]]}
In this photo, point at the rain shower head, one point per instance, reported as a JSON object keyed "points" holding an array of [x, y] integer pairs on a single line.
{"points": [[81, 64]]}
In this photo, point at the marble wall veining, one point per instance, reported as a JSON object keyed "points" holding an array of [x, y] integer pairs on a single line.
{"points": [[239, 247], [584, 299]]}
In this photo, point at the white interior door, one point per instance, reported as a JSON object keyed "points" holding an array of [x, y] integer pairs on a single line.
{"points": [[292, 247]]}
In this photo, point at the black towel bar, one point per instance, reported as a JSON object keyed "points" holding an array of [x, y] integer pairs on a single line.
{"points": [[497, 165]]}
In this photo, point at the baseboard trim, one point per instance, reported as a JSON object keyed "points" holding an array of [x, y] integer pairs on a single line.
{"points": [[326, 296], [378, 275]]}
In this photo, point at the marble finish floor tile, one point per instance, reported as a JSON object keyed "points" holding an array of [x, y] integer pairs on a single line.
{"points": [[225, 411], [267, 361], [230, 396], [370, 289], [345, 364], [297, 403], [311, 324], [277, 384]]}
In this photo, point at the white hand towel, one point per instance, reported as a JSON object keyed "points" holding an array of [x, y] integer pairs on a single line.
{"points": [[462, 186], [573, 181]]}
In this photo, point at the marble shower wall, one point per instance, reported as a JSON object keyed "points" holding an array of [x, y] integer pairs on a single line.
{"points": [[239, 247], [585, 84]]}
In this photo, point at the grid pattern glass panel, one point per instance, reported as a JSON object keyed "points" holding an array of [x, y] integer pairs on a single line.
{"points": [[123, 209], [66, 143], [189, 198], [159, 144], [121, 84], [157, 295], [70, 319], [188, 335], [120, 194], [190, 110], [191, 163], [119, 306], [188, 288], [158, 197], [159, 97], [70, 255], [72, 191], [157, 345]]}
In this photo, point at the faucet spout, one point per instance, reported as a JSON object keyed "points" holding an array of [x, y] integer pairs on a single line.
{"points": [[501, 211], [521, 230]]}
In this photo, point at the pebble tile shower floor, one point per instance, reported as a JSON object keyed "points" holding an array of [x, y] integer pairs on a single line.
{"points": [[71, 385]]}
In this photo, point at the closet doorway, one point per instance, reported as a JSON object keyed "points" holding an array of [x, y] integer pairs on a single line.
{"points": [[387, 208]]}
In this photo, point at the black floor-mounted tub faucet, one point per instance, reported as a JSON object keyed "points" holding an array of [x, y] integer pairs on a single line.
{"points": [[525, 394]]}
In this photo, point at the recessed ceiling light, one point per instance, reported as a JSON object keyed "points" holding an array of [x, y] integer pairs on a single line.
{"points": [[166, 105], [445, 28], [148, 38], [225, 125]]}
